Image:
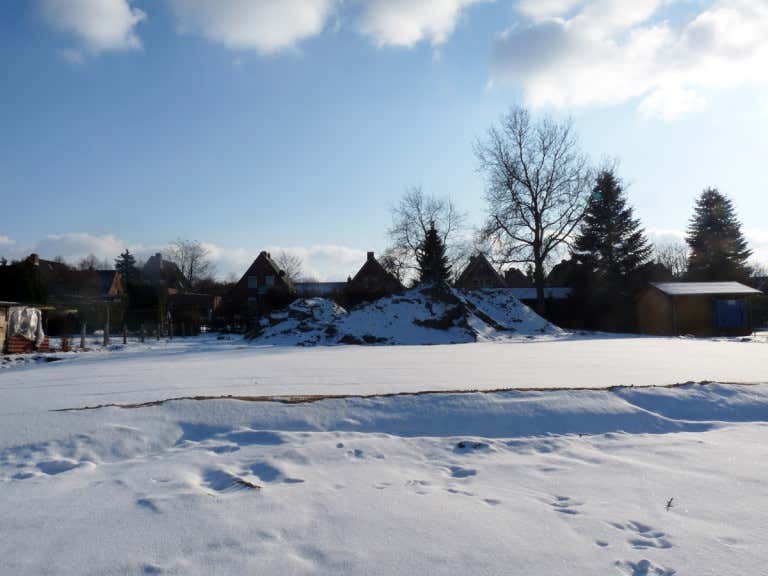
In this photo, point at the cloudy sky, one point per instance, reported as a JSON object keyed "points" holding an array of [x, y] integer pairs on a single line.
{"points": [[267, 124]]}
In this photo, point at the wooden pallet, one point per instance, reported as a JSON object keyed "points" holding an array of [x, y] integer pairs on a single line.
{"points": [[20, 345]]}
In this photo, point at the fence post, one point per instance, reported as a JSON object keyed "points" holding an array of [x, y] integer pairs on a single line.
{"points": [[82, 335], [170, 329], [157, 332], [125, 334], [142, 333], [106, 328]]}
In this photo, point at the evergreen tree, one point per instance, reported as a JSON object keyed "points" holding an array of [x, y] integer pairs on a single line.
{"points": [[431, 257], [611, 242], [126, 265], [718, 248]]}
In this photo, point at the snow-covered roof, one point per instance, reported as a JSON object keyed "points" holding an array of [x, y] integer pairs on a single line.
{"points": [[703, 288], [554, 293]]}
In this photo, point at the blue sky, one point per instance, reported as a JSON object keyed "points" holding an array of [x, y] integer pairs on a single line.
{"points": [[296, 124]]}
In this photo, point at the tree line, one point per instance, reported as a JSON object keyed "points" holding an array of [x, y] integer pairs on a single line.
{"points": [[544, 200]]}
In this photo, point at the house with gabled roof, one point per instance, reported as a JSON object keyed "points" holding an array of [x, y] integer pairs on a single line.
{"points": [[263, 286], [164, 273], [372, 281], [479, 273]]}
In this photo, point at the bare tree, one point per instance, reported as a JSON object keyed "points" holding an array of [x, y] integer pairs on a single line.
{"points": [[758, 269], [411, 218], [90, 262], [538, 185], [673, 255], [193, 259], [292, 265]]}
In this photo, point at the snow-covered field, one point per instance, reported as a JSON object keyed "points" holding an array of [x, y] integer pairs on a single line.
{"points": [[534, 482]]}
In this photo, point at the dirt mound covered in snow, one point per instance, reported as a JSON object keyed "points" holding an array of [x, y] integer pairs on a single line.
{"points": [[424, 315]]}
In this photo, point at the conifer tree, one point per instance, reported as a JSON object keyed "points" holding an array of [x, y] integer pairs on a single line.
{"points": [[126, 265], [432, 259], [611, 242], [718, 249]]}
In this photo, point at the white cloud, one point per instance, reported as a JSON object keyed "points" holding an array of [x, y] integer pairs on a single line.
{"points": [[604, 52], [408, 22], [325, 262], [74, 246], [266, 26], [99, 25], [269, 26]]}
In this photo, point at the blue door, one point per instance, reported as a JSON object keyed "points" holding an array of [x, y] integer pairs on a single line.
{"points": [[731, 314]]}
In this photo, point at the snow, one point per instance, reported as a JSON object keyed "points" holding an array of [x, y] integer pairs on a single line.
{"points": [[424, 315], [574, 477]]}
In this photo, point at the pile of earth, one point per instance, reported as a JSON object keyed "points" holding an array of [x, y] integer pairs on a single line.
{"points": [[433, 314]]}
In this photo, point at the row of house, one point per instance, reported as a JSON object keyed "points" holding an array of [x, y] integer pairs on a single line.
{"points": [[666, 308], [264, 284], [662, 308]]}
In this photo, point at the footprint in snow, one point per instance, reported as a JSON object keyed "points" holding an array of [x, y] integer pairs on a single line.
{"points": [[268, 474], [459, 472], [645, 536], [565, 505], [148, 504], [52, 467], [644, 568], [465, 447]]}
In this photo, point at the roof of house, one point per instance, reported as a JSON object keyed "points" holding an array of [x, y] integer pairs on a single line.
{"points": [[264, 263], [372, 267], [157, 270], [480, 264], [550, 292], [703, 288]]}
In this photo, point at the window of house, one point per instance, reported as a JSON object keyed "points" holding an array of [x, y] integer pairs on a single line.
{"points": [[269, 280], [253, 281]]}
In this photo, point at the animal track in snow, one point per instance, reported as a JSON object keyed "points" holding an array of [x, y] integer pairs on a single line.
{"points": [[53, 467], [459, 472], [467, 447], [148, 504], [644, 536], [644, 568], [565, 505], [268, 473]]}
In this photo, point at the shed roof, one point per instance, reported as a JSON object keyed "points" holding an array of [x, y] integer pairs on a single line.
{"points": [[703, 288]]}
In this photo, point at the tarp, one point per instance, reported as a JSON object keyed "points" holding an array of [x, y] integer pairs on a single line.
{"points": [[26, 322]]}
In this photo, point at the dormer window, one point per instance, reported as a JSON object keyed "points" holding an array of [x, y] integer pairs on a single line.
{"points": [[253, 281]]}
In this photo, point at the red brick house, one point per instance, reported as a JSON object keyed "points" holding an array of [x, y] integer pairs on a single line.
{"points": [[263, 286], [372, 281], [480, 273]]}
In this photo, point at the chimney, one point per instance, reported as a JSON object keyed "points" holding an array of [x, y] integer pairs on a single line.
{"points": [[264, 254], [35, 259], [370, 256], [159, 256]]}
